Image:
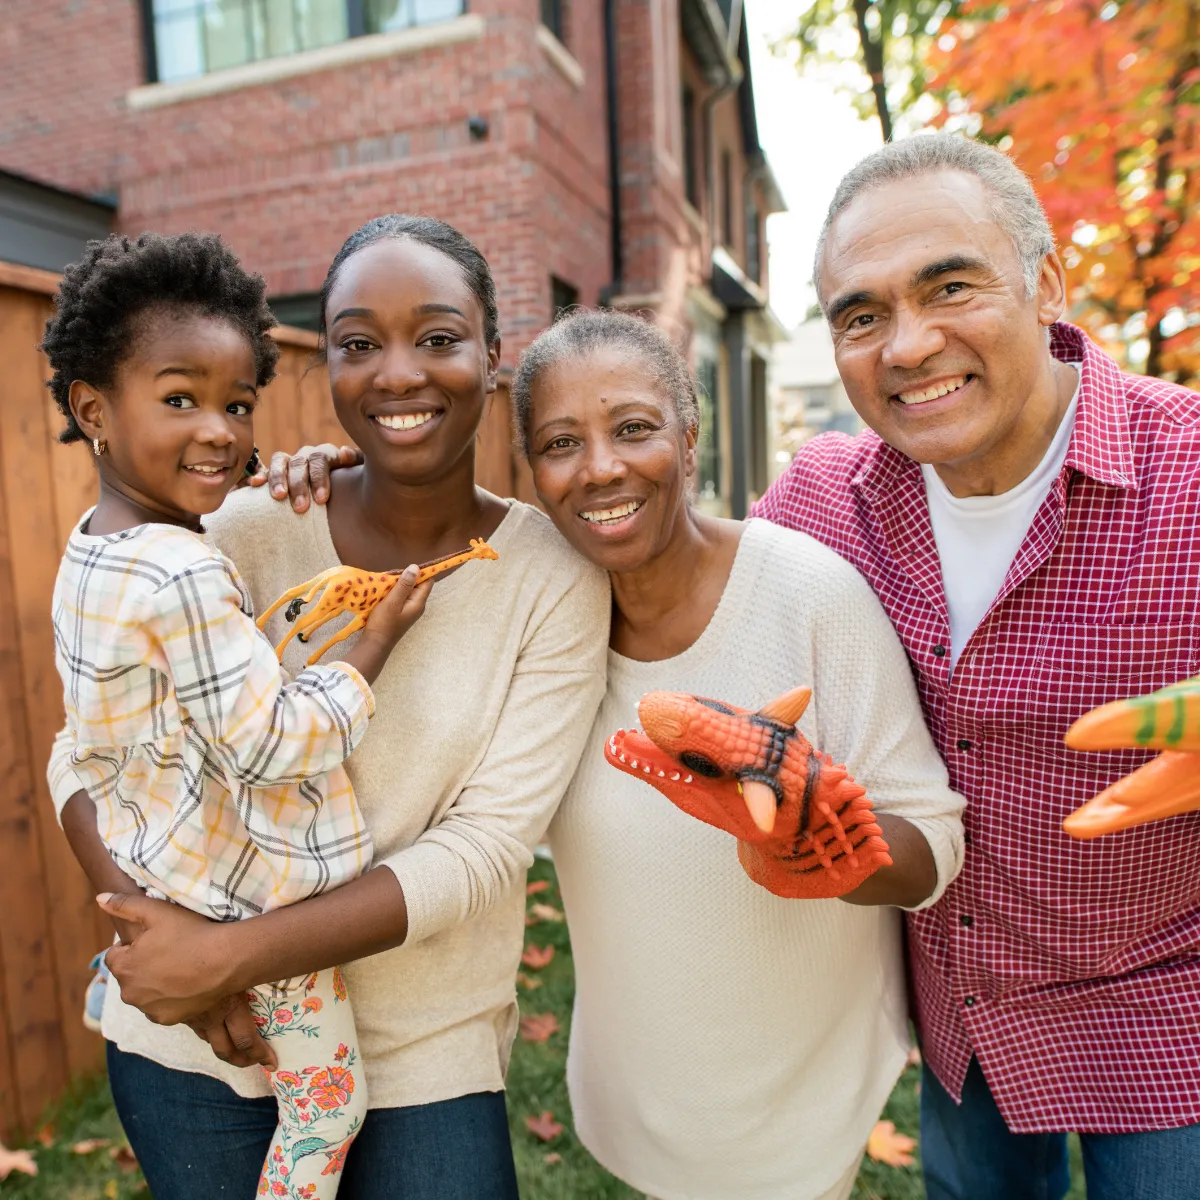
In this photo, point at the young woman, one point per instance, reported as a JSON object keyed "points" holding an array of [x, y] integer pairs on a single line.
{"points": [[217, 780], [480, 716]]}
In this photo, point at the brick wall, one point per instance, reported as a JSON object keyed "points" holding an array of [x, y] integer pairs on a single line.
{"points": [[65, 66], [286, 169]]}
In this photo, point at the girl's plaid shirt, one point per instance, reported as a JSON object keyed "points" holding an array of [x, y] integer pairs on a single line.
{"points": [[218, 781]]}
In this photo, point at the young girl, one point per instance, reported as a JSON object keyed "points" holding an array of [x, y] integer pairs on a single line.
{"points": [[217, 780]]}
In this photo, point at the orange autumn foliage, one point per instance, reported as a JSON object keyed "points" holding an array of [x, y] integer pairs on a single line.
{"points": [[1099, 102]]}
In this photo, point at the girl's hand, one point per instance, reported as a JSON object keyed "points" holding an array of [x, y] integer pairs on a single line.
{"points": [[232, 1035], [305, 475], [175, 969]]}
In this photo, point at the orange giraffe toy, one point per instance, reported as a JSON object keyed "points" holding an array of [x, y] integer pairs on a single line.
{"points": [[347, 589]]}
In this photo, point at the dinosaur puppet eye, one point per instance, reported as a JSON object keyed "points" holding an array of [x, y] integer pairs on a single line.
{"points": [[700, 764]]}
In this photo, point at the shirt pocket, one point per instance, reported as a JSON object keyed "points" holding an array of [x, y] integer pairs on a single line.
{"points": [[1079, 667]]}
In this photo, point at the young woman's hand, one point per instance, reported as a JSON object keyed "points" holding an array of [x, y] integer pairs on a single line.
{"points": [[174, 969], [304, 476]]}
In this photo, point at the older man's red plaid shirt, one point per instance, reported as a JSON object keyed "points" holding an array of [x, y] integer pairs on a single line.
{"points": [[1070, 969]]}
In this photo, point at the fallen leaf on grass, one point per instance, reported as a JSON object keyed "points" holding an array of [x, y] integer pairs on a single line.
{"points": [[543, 1127], [545, 912], [89, 1145], [537, 957], [538, 1027], [551, 1160], [45, 1136], [21, 1160], [538, 885], [887, 1146], [123, 1156], [528, 982], [111, 1190]]}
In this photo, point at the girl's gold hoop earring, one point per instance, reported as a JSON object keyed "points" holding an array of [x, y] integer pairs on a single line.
{"points": [[99, 447]]}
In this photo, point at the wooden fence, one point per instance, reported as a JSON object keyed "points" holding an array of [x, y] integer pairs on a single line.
{"points": [[49, 924]]}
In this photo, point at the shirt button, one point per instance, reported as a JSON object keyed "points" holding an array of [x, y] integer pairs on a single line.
{"points": [[969, 1001], [966, 920], [939, 651], [964, 744]]}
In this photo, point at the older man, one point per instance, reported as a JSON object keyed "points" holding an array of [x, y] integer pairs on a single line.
{"points": [[1030, 518]]}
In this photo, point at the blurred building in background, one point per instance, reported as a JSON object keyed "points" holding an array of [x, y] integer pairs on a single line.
{"points": [[807, 396], [597, 151]]}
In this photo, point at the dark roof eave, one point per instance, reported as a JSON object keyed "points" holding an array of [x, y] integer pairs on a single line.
{"points": [[730, 284], [107, 202], [706, 34]]}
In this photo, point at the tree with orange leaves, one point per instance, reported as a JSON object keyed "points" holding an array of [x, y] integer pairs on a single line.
{"points": [[1100, 103]]}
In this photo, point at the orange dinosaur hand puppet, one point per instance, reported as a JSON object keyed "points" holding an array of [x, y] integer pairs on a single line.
{"points": [[805, 829], [1166, 720], [347, 589]]}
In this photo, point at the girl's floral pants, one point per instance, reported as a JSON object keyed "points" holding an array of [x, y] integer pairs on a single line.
{"points": [[319, 1085]]}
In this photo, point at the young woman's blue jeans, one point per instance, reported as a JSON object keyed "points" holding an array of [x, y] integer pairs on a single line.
{"points": [[197, 1139], [968, 1153]]}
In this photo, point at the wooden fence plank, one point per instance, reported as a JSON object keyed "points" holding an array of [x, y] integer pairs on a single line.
{"points": [[29, 496], [31, 987]]}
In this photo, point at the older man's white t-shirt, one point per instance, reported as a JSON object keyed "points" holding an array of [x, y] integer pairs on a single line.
{"points": [[978, 536]]}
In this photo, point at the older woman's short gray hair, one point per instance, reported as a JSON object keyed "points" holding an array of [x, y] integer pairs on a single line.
{"points": [[1014, 205], [581, 332]]}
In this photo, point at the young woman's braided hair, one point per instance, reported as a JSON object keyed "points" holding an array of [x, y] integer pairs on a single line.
{"points": [[580, 332], [118, 279]]}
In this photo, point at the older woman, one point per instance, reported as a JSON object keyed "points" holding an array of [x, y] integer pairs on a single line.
{"points": [[726, 1043]]}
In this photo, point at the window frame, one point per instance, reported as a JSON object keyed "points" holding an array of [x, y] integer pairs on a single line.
{"points": [[356, 27], [556, 11]]}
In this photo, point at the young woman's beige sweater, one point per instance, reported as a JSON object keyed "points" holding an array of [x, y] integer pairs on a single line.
{"points": [[727, 1044], [480, 716]]}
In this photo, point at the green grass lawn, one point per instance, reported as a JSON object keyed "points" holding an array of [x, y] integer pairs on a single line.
{"points": [[558, 1169]]}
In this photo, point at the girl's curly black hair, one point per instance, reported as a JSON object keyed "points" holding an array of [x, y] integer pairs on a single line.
{"points": [[101, 297]]}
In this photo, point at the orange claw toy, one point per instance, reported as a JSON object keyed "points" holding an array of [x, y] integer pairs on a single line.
{"points": [[347, 589], [805, 829], [1166, 720]]}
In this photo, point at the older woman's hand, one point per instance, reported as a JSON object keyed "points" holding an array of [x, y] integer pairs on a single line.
{"points": [[304, 476]]}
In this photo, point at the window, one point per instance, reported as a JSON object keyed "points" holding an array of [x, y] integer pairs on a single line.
{"points": [[195, 37], [727, 199], [691, 187], [553, 17], [708, 451], [302, 310], [753, 240], [562, 295]]}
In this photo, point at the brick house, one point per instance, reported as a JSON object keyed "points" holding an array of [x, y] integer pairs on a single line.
{"points": [[598, 151]]}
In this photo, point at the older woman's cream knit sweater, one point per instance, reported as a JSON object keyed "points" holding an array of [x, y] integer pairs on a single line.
{"points": [[727, 1044]]}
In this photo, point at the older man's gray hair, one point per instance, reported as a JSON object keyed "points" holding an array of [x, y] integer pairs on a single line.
{"points": [[1014, 205]]}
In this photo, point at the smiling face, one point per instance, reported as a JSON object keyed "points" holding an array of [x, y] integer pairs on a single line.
{"points": [[178, 419], [409, 365], [941, 351], [610, 457]]}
